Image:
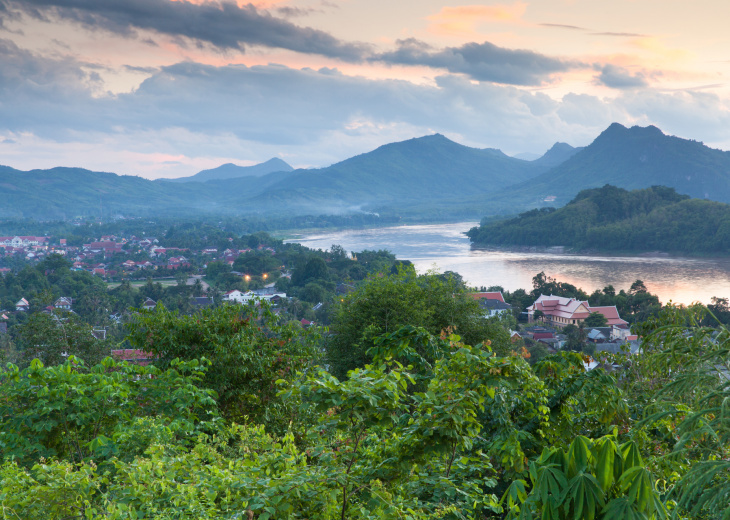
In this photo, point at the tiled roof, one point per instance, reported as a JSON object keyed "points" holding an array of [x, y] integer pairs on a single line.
{"points": [[497, 295]]}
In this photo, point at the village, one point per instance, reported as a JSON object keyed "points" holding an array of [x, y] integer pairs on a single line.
{"points": [[550, 322]]}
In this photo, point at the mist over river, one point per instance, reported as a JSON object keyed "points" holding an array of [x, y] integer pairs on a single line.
{"points": [[446, 248]]}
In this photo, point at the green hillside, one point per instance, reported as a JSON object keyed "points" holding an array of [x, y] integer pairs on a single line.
{"points": [[633, 158], [233, 171], [418, 171], [611, 218], [424, 178], [422, 168]]}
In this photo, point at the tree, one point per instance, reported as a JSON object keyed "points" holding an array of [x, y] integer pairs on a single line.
{"points": [[595, 319], [248, 353], [638, 287], [385, 303], [314, 269], [53, 337], [75, 413]]}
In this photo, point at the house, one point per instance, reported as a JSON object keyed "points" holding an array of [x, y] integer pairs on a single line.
{"points": [[22, 242], [560, 311], [238, 296], [99, 334], [492, 303], [133, 356], [149, 304], [269, 294], [22, 305], [63, 304]]}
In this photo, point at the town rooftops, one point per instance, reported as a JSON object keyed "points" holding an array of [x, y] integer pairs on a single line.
{"points": [[572, 309], [494, 295]]}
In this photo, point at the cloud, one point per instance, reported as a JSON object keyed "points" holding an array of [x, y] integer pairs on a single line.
{"points": [[480, 61], [291, 12], [617, 77], [463, 19], [224, 25], [204, 115], [622, 34], [141, 70], [563, 26]]}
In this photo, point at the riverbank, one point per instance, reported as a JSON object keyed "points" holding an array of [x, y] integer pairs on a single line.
{"points": [[680, 279]]}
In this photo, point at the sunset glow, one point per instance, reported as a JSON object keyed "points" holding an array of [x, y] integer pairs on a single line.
{"points": [[230, 80]]}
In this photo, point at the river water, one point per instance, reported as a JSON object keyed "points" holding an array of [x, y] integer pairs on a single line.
{"points": [[445, 247]]}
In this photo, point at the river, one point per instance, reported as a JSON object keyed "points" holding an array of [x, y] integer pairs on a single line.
{"points": [[445, 247]]}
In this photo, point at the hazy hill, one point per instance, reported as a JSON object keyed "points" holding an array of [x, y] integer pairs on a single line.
{"points": [[558, 154], [422, 169], [427, 177], [64, 193], [233, 171], [611, 218], [632, 158]]}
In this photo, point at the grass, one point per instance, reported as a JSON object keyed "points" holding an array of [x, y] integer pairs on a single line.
{"points": [[137, 284]]}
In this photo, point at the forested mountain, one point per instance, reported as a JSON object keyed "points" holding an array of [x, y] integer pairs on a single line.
{"points": [[233, 171], [429, 177], [418, 170], [558, 154], [65, 193], [633, 158], [424, 167], [610, 218]]}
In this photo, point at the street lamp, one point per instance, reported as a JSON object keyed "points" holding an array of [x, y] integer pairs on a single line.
{"points": [[247, 278], [265, 276]]}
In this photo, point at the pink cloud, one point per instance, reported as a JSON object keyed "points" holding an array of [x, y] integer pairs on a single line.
{"points": [[463, 20]]}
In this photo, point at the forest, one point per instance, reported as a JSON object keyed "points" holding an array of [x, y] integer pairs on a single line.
{"points": [[614, 219], [402, 401], [409, 405]]}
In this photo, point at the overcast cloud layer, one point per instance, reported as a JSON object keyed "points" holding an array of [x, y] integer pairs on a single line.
{"points": [[205, 107]]}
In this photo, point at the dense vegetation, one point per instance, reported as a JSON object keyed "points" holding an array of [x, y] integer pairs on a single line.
{"points": [[613, 219], [239, 419], [632, 158], [410, 404]]}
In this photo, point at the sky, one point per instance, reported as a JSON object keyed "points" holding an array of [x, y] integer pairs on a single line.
{"points": [[166, 88]]}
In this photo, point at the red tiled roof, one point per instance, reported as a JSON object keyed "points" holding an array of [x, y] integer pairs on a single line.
{"points": [[496, 295]]}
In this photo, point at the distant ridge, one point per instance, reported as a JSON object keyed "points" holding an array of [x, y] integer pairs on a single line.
{"points": [[423, 178], [233, 171], [633, 158]]}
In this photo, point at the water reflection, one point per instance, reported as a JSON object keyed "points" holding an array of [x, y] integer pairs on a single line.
{"points": [[444, 246]]}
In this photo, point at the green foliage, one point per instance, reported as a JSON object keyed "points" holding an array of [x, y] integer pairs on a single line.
{"points": [[249, 350], [53, 337], [689, 364], [79, 414], [611, 218], [590, 480], [595, 319], [384, 303]]}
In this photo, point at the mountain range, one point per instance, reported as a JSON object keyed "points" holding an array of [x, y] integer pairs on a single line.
{"points": [[423, 178], [233, 171]]}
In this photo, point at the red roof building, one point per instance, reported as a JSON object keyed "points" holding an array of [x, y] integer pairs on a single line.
{"points": [[488, 296], [560, 311]]}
